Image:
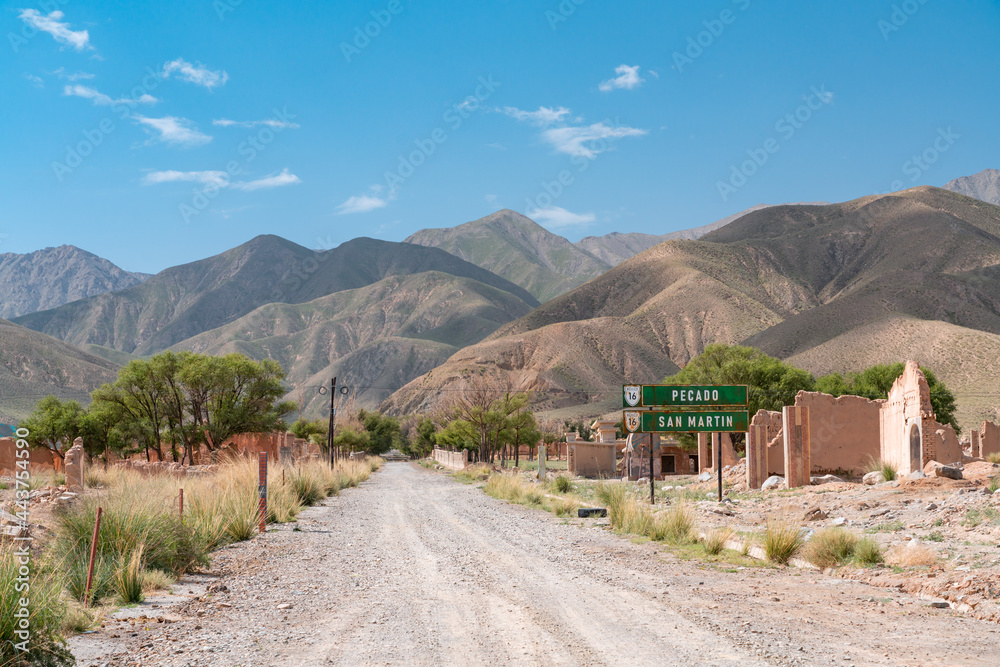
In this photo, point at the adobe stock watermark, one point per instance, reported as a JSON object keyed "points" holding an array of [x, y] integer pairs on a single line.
{"points": [[551, 190], [919, 163], [223, 7], [562, 12], [454, 117], [900, 16], [786, 126], [94, 137], [22, 550], [714, 28], [248, 150], [363, 35]]}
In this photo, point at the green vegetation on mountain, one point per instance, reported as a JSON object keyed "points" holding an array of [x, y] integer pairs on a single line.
{"points": [[519, 249]]}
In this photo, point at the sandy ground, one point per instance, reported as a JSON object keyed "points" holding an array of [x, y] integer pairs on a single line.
{"points": [[414, 568]]}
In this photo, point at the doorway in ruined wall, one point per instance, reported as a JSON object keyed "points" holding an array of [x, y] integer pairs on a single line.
{"points": [[916, 460]]}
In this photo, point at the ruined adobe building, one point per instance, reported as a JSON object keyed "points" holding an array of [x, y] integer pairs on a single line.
{"points": [[587, 458], [847, 432]]}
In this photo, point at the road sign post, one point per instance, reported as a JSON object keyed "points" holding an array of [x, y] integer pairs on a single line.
{"points": [[689, 408]]}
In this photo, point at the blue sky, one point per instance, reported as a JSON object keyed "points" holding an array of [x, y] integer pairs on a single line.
{"points": [[159, 133]]}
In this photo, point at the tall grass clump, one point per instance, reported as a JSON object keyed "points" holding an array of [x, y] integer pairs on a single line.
{"points": [[782, 540], [715, 540], [831, 547], [993, 458], [46, 614], [887, 468], [994, 484], [677, 525], [867, 552], [129, 579], [565, 506], [508, 486], [561, 484]]}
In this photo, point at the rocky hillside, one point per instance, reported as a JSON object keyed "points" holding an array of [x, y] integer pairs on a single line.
{"points": [[811, 283], [51, 277], [33, 365], [984, 186], [519, 249], [187, 300], [373, 339]]}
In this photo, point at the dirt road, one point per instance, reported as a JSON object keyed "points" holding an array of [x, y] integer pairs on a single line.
{"points": [[414, 568]]}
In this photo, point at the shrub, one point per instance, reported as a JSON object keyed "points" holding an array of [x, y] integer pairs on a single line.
{"points": [[562, 484], [993, 458], [565, 507], [676, 525], [782, 540], [156, 580], [715, 540], [830, 547], [46, 614], [128, 578], [867, 552], [887, 468]]}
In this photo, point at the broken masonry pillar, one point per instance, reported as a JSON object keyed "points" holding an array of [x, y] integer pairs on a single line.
{"points": [[756, 456], [795, 425]]}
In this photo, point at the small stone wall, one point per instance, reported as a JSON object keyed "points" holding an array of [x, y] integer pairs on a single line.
{"points": [[454, 460], [592, 459]]}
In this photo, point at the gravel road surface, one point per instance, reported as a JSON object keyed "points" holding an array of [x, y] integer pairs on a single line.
{"points": [[414, 568]]}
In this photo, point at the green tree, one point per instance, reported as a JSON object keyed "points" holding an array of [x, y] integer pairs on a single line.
{"points": [[771, 383], [305, 429], [522, 429], [425, 439], [875, 382], [54, 425], [351, 439], [384, 432]]}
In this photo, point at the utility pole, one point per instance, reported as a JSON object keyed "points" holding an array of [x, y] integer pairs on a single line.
{"points": [[333, 420]]}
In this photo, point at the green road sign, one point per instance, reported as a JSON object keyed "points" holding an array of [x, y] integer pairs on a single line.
{"points": [[715, 421], [672, 395]]}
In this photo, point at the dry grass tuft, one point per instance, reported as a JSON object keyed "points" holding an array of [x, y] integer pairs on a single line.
{"points": [[715, 540], [830, 547], [912, 555], [782, 540]]}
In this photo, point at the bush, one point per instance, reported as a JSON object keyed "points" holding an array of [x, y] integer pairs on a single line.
{"points": [[831, 547], [565, 507], [128, 578], [781, 541], [562, 484], [887, 468], [994, 458], [676, 525], [994, 484], [867, 552], [46, 614], [912, 555], [715, 541]]}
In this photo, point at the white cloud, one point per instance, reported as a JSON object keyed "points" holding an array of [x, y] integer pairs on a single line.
{"points": [[36, 81], [543, 117], [270, 122], [627, 79], [78, 39], [587, 140], [276, 181], [217, 178], [365, 202], [220, 179], [556, 216], [77, 76], [176, 131], [100, 99], [196, 74]]}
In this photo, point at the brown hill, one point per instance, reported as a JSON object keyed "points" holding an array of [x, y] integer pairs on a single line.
{"points": [[984, 186], [184, 301], [33, 365], [374, 338], [788, 279]]}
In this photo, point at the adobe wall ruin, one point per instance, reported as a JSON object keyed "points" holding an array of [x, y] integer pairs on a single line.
{"points": [[41, 460], [909, 434], [989, 439], [844, 431]]}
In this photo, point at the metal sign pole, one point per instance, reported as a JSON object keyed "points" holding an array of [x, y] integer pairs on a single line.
{"points": [[719, 458]]}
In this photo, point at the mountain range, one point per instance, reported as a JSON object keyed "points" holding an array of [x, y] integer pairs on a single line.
{"points": [[829, 287], [984, 186], [54, 276]]}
